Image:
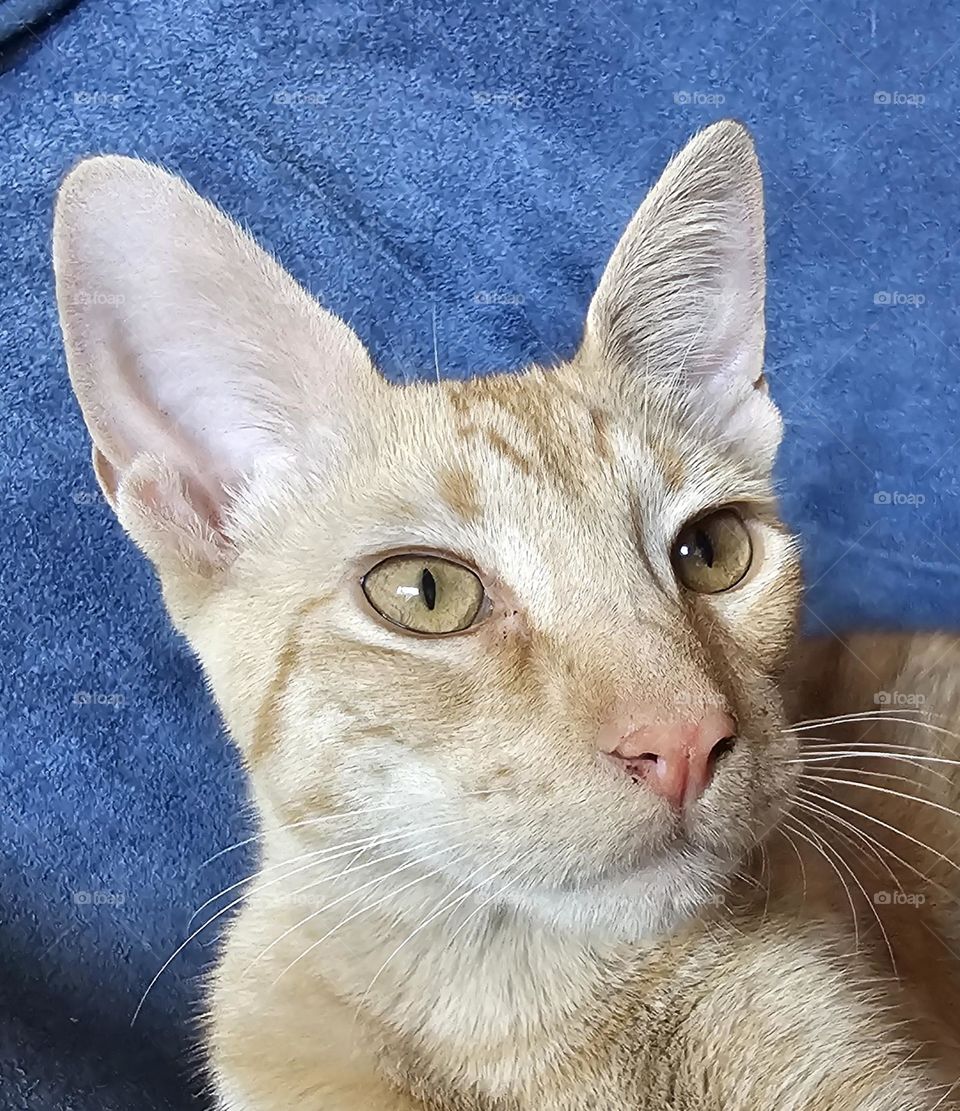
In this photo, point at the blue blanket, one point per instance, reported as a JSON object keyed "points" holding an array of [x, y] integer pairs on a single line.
{"points": [[412, 162]]}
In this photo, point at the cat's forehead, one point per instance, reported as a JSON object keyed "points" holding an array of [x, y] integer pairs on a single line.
{"points": [[548, 470], [538, 424], [581, 441], [567, 492]]}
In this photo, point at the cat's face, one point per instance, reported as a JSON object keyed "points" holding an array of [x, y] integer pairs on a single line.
{"points": [[440, 608]]}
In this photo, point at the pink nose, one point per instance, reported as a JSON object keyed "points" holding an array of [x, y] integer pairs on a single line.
{"points": [[675, 759]]}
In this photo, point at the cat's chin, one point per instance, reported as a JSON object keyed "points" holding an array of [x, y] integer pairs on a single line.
{"points": [[637, 905]]}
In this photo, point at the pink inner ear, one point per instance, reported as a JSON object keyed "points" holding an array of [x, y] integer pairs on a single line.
{"points": [[106, 475], [155, 501], [200, 353]]}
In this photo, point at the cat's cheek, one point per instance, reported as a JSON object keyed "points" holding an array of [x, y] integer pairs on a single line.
{"points": [[504, 657], [761, 616]]}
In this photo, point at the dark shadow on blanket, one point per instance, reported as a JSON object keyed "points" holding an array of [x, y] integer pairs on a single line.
{"points": [[70, 1039], [19, 35]]}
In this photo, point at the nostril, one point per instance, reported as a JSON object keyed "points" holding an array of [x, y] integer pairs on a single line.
{"points": [[638, 767], [724, 746]]}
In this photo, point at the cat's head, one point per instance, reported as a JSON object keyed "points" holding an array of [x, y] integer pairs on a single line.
{"points": [[528, 626]]}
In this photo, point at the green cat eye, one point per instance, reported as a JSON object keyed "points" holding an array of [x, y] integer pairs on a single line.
{"points": [[425, 594], [713, 552]]}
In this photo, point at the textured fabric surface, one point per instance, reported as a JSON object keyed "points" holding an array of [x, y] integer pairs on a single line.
{"points": [[470, 164], [27, 18]]}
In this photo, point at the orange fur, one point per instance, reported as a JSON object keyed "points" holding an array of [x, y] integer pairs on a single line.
{"points": [[461, 906]]}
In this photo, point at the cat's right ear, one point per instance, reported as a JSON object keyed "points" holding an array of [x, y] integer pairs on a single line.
{"points": [[682, 298], [200, 365]]}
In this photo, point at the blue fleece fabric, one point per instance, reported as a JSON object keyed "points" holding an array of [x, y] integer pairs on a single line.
{"points": [[410, 160]]}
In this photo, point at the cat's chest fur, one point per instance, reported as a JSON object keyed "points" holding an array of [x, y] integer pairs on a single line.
{"points": [[556, 1030], [527, 1022], [503, 659], [510, 1019]]}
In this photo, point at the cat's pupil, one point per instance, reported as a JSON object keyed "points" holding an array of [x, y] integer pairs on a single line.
{"points": [[428, 588], [705, 547]]}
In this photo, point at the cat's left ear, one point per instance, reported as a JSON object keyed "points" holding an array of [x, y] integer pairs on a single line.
{"points": [[682, 298], [206, 375]]}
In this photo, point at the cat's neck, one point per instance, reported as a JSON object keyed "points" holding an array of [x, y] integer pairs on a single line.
{"points": [[479, 994], [402, 943], [399, 936]]}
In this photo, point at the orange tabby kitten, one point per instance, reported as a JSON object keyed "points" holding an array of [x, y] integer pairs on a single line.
{"points": [[512, 666]]}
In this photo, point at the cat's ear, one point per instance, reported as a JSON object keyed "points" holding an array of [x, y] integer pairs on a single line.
{"points": [[199, 363], [682, 297]]}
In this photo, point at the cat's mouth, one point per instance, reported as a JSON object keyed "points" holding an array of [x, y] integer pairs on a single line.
{"points": [[641, 895], [684, 844], [676, 850]]}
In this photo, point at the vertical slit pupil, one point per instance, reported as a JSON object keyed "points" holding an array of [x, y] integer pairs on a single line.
{"points": [[706, 548], [428, 588]]}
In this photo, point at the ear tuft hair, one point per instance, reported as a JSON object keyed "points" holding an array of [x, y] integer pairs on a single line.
{"points": [[682, 298], [197, 360]]}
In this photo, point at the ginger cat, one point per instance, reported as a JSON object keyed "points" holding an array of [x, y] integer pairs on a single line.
{"points": [[556, 812]]}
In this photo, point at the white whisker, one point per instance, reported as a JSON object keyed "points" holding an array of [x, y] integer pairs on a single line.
{"points": [[859, 715], [447, 903], [364, 909], [868, 719], [870, 903], [436, 351], [827, 767], [819, 756], [803, 871], [820, 845], [496, 895], [880, 822], [828, 817], [826, 744], [235, 902], [313, 863], [885, 791], [349, 895], [765, 872], [336, 816], [927, 881], [315, 856]]}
